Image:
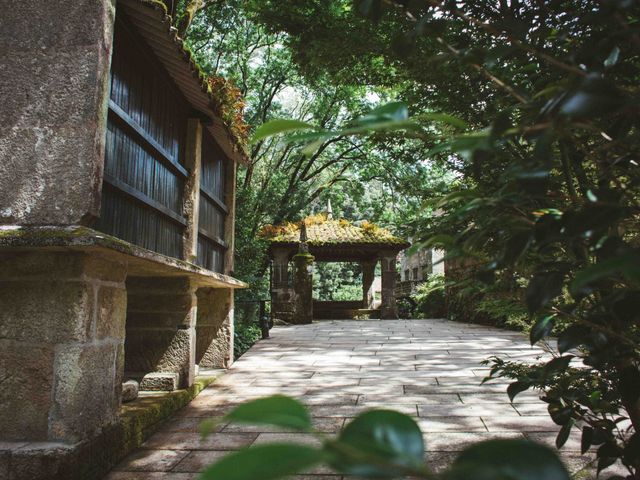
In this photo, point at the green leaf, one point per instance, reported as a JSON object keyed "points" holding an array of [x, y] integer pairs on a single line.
{"points": [[627, 264], [564, 433], [612, 59], [279, 125], [508, 459], [393, 111], [443, 118], [587, 439], [517, 387], [596, 96], [543, 288], [541, 329], [629, 385], [560, 414], [572, 337], [277, 410], [264, 462], [370, 9], [557, 364], [378, 443]]}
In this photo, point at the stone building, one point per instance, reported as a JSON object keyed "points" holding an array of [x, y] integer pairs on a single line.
{"points": [[117, 204], [416, 266], [295, 247]]}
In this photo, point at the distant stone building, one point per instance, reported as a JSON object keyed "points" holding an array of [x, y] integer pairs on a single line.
{"points": [[415, 267], [117, 204]]}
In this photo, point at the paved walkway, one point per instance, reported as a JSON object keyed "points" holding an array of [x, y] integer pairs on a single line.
{"points": [[426, 368]]}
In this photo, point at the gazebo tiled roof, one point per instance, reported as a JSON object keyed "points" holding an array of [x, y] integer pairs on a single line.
{"points": [[324, 231]]}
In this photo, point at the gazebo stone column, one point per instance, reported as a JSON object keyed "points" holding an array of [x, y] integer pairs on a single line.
{"points": [[282, 294], [160, 338], [388, 309], [303, 284], [368, 276]]}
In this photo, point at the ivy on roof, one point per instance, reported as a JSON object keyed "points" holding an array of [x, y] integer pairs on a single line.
{"points": [[322, 230]]}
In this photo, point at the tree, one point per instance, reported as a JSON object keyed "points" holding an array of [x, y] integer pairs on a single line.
{"points": [[548, 196]]}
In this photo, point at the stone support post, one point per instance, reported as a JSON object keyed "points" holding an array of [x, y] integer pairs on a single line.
{"points": [[368, 277], [388, 309], [54, 89], [282, 294], [62, 325], [160, 337], [280, 269], [214, 328], [303, 287], [191, 194]]}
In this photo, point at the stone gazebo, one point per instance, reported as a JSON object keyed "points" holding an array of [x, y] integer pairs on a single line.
{"points": [[320, 238]]}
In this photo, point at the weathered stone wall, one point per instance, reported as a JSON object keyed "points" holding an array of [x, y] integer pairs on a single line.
{"points": [[160, 332], [62, 317], [214, 328], [54, 78]]}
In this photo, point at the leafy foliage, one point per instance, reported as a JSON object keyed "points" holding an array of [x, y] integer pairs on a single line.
{"points": [[375, 444], [430, 297], [547, 206], [523, 136], [244, 336]]}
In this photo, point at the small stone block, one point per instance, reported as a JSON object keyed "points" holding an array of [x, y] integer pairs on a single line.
{"points": [[130, 390], [160, 381]]}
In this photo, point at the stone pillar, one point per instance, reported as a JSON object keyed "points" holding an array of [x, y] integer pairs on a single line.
{"points": [[160, 337], [54, 88], [303, 287], [62, 317], [214, 328], [368, 277], [282, 294], [388, 310], [280, 269], [191, 193]]}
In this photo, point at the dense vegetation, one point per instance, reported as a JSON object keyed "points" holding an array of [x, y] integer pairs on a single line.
{"points": [[523, 137]]}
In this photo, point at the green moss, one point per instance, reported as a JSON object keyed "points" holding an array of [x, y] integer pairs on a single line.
{"points": [[36, 236], [138, 420]]}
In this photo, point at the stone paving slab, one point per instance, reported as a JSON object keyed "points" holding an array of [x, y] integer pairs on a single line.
{"points": [[429, 369]]}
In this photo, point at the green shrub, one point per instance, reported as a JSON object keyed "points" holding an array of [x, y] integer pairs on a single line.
{"points": [[430, 297], [246, 334]]}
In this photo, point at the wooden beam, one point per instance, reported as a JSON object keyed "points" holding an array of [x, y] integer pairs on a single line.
{"points": [[214, 238], [211, 196], [230, 221], [144, 199], [191, 193], [160, 152]]}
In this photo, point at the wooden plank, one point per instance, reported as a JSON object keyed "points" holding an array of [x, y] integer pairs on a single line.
{"points": [[142, 198], [210, 236], [213, 198], [165, 157]]}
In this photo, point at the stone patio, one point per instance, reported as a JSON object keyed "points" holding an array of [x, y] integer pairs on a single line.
{"points": [[425, 368]]}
